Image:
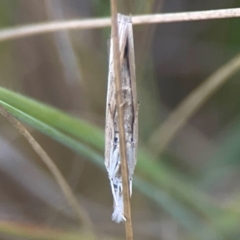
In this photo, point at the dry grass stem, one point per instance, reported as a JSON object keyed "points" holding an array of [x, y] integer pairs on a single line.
{"points": [[34, 29], [122, 140], [186, 16], [190, 105], [82, 215]]}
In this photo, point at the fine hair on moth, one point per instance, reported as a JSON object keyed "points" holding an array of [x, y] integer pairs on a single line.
{"points": [[130, 116]]}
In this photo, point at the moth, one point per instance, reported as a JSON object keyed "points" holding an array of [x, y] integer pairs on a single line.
{"points": [[130, 109]]}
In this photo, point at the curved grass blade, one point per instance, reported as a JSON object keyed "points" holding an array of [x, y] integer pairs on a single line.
{"points": [[56, 135], [74, 127], [36, 115], [188, 220]]}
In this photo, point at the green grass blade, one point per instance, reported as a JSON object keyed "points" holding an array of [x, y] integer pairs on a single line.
{"points": [[78, 135], [93, 136], [74, 127], [56, 135]]}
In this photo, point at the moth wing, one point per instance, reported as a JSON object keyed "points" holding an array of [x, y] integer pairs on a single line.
{"points": [[110, 108], [111, 101], [131, 57]]}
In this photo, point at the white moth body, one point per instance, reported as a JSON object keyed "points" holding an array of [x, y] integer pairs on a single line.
{"points": [[130, 108]]}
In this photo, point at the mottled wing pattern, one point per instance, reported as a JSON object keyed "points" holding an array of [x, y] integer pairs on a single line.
{"points": [[112, 155]]}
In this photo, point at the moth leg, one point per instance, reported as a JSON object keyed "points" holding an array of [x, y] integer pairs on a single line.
{"points": [[111, 163], [118, 213], [130, 162], [116, 186], [114, 159], [113, 171], [135, 126], [135, 123], [113, 191], [133, 149], [110, 132], [130, 186]]}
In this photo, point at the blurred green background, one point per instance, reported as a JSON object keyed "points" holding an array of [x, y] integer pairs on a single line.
{"points": [[188, 192]]}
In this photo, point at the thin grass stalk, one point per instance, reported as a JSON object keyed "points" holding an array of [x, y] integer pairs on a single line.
{"points": [[190, 105], [122, 140], [81, 214], [40, 28]]}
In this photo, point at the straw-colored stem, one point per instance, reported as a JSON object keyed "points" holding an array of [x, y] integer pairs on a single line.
{"points": [[82, 215], [122, 140], [40, 28], [190, 105]]}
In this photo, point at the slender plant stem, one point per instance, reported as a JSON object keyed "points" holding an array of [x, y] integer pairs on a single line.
{"points": [[122, 140], [40, 28], [179, 117], [82, 215]]}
